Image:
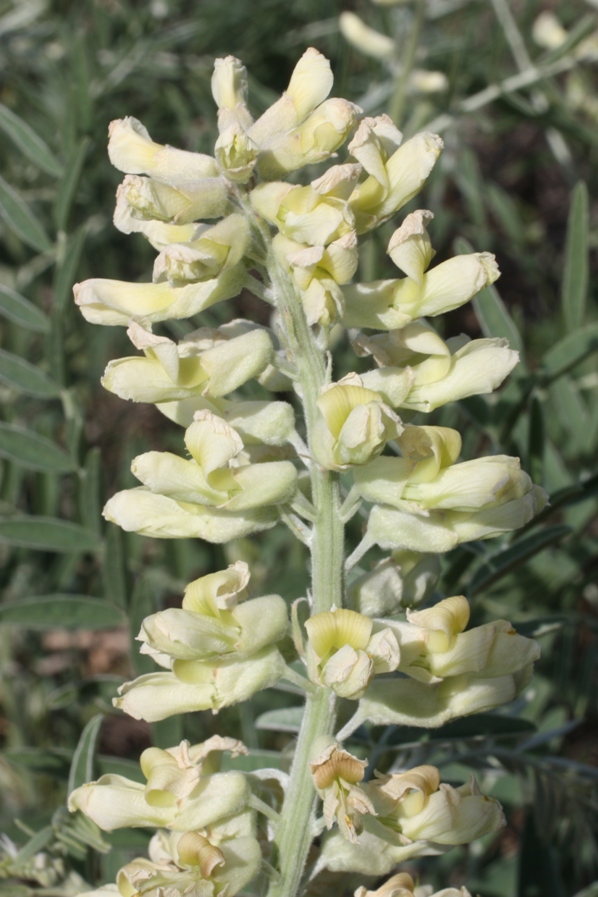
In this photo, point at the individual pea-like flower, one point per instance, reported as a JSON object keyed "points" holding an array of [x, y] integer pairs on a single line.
{"points": [[419, 371], [416, 703], [415, 815], [145, 199], [132, 150], [434, 645], [427, 478], [184, 789], [354, 427], [317, 214], [115, 302], [200, 685], [208, 627], [180, 498], [207, 362], [336, 774], [395, 171], [441, 530], [343, 652], [317, 272], [391, 304], [212, 250], [191, 865], [402, 885], [220, 859]]}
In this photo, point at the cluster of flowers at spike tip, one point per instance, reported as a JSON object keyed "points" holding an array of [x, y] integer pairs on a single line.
{"points": [[451, 672], [211, 846], [216, 650], [394, 817]]}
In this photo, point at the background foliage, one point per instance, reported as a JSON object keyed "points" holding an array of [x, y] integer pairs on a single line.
{"points": [[517, 177]]}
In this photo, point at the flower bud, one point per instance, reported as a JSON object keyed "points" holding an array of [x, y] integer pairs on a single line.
{"points": [[394, 181], [229, 84], [314, 140], [132, 150], [310, 84], [355, 425], [236, 154], [365, 39]]}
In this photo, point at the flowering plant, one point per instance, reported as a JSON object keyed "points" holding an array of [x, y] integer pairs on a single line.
{"points": [[356, 447]]}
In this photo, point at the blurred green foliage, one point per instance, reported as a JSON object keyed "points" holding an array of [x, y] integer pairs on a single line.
{"points": [[518, 177]]}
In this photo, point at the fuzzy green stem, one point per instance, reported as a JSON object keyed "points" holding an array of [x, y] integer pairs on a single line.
{"points": [[297, 826]]}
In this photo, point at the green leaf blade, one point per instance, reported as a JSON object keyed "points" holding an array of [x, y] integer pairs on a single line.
{"points": [[30, 450], [575, 277], [25, 377], [21, 311], [46, 534], [62, 612], [81, 770], [20, 219], [29, 142]]}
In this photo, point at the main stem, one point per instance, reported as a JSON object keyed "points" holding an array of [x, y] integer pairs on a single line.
{"points": [[297, 825]]}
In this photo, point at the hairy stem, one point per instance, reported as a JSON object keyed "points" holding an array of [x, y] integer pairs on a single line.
{"points": [[297, 825]]}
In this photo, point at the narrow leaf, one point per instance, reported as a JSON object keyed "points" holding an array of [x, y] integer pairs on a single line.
{"points": [[46, 534], [575, 277], [62, 611], [44, 761], [68, 185], [536, 442], [66, 271], [569, 351], [83, 758], [142, 605], [114, 570], [494, 318], [21, 311], [521, 550], [30, 143], [28, 449], [20, 219], [25, 377]]}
